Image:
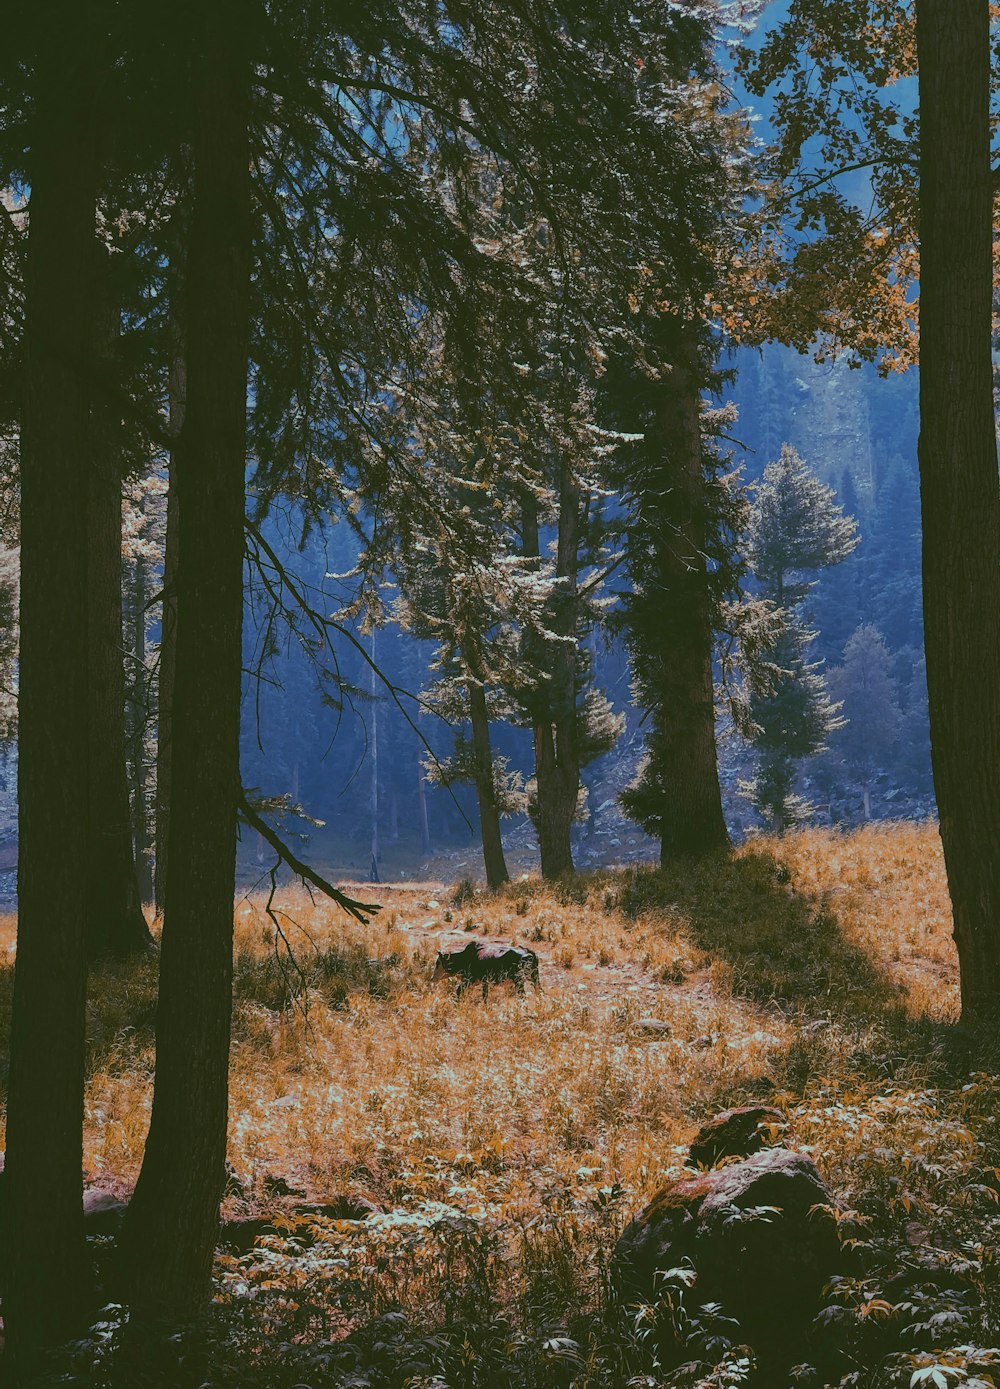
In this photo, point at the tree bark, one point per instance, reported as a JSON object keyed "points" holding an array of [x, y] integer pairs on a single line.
{"points": [[170, 1231], [45, 1266], [556, 740], [683, 742], [959, 489], [115, 923], [168, 636], [489, 815]]}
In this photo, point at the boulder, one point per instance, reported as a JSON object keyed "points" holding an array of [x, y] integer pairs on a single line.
{"points": [[753, 1234], [654, 1027], [738, 1133]]}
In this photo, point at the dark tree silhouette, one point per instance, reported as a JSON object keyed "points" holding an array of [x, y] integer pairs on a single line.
{"points": [[959, 488], [43, 1241], [172, 1221]]}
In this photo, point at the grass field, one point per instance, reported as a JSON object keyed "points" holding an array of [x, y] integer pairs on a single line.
{"points": [[508, 1142]]}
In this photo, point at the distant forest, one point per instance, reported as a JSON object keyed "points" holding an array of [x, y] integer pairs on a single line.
{"points": [[347, 765]]}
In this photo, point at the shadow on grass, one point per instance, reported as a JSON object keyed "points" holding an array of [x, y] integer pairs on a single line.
{"points": [[787, 951]]}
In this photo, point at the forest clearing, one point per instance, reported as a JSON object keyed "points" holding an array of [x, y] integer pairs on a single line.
{"points": [[500, 694], [504, 1145]]}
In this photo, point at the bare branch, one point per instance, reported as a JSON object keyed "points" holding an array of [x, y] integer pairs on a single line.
{"points": [[361, 911]]}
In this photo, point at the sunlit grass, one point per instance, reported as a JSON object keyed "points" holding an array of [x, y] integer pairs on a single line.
{"points": [[349, 1067], [817, 972]]}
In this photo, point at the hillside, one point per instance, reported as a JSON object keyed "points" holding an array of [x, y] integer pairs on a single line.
{"points": [[507, 1143]]}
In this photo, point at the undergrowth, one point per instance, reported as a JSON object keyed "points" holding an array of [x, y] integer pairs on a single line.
{"points": [[508, 1143]]}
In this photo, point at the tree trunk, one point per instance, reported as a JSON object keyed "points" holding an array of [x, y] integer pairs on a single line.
{"points": [[489, 815], [177, 389], [959, 489], [115, 923], [683, 741], [170, 1231], [376, 848], [557, 755], [425, 824], [45, 1264], [140, 818]]}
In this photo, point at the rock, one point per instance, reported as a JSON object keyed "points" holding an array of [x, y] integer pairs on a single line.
{"points": [[766, 1266], [738, 1133], [102, 1212]]}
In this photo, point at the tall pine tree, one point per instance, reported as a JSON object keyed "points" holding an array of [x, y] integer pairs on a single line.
{"points": [[796, 529]]}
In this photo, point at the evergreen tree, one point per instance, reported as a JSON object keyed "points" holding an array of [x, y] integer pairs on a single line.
{"points": [[796, 530], [45, 1262], [470, 592], [170, 1230], [791, 722], [682, 512], [840, 598], [959, 491], [572, 721], [865, 688]]}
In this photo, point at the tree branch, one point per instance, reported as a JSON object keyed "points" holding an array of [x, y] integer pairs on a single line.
{"points": [[361, 911]]}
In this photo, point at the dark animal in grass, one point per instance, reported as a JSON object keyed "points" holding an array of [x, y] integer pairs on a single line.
{"points": [[488, 964]]}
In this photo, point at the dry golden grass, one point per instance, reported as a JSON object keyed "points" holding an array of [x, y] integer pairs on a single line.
{"points": [[817, 970], [373, 1070], [888, 888]]}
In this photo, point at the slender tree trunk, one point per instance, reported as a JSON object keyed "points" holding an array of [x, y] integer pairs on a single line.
{"points": [[959, 489], [172, 1222], [168, 636], [683, 742], [489, 815], [140, 819], [376, 848], [115, 923], [556, 740], [422, 808], [44, 1258], [425, 826]]}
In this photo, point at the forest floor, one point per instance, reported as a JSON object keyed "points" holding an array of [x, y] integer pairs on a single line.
{"points": [[508, 1142]]}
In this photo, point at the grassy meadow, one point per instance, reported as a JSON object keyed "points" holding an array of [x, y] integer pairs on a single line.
{"points": [[507, 1143]]}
